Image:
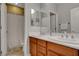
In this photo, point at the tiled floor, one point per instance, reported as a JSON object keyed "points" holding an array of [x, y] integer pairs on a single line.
{"points": [[15, 52]]}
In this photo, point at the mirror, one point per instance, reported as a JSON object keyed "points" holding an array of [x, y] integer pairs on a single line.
{"points": [[59, 20]]}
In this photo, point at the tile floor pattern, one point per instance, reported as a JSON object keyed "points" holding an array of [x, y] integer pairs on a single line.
{"points": [[15, 52]]}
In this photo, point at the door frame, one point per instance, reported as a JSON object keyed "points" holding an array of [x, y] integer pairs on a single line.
{"points": [[4, 29]]}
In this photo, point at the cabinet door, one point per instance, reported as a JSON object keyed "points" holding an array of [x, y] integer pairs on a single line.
{"points": [[62, 50], [40, 54], [41, 51], [33, 49]]}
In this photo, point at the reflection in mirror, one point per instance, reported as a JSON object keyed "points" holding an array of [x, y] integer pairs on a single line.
{"points": [[75, 20], [52, 22], [64, 27], [59, 21], [34, 18], [44, 24]]}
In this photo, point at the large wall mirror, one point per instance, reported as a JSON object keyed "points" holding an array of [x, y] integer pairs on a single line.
{"points": [[65, 18]]}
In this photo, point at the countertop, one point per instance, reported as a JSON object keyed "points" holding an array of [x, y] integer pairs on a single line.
{"points": [[54, 39]]}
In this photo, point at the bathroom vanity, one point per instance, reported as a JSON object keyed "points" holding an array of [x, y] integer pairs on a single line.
{"points": [[55, 37], [42, 46]]}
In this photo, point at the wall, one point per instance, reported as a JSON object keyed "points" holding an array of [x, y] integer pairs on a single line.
{"points": [[63, 12], [15, 30], [75, 20], [27, 27], [15, 9]]}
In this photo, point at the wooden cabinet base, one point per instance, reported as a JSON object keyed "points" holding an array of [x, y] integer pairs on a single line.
{"points": [[61, 50], [39, 47], [32, 46]]}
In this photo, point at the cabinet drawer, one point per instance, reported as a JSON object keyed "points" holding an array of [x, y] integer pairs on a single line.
{"points": [[41, 43], [40, 54], [51, 53], [32, 39], [62, 50], [41, 50]]}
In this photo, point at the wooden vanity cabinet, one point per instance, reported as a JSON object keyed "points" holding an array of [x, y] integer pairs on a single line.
{"points": [[54, 49], [33, 46], [39, 47]]}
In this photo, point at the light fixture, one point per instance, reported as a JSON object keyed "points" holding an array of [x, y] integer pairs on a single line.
{"points": [[32, 11]]}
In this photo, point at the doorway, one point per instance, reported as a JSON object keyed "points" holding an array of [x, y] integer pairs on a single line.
{"points": [[52, 22], [15, 29]]}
